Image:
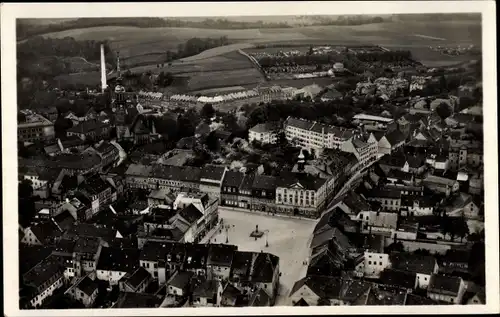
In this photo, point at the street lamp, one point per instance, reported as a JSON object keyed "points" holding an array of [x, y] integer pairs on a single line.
{"points": [[227, 233], [267, 242]]}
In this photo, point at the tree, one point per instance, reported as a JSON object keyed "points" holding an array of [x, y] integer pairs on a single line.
{"points": [[443, 110], [207, 111]]}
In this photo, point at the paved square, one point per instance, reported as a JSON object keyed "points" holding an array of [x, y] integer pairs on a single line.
{"points": [[288, 239]]}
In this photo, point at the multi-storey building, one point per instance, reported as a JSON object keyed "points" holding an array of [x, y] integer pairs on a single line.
{"points": [[301, 194], [314, 136], [34, 127]]}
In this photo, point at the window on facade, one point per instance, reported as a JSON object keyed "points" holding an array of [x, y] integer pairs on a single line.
{"points": [[370, 262]]}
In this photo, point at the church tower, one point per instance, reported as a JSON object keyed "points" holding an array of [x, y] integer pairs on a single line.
{"points": [[120, 97]]}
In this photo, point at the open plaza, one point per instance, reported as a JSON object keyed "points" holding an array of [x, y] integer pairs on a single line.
{"points": [[287, 238]]}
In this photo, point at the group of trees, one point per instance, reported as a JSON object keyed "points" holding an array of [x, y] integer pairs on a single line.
{"points": [[37, 47], [303, 59], [195, 46], [333, 112], [385, 56]]}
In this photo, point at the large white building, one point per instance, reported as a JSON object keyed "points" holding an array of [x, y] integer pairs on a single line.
{"points": [[315, 136], [265, 133]]}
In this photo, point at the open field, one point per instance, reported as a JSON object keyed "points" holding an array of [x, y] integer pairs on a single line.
{"points": [[147, 45], [288, 239], [213, 63], [131, 38], [215, 79]]}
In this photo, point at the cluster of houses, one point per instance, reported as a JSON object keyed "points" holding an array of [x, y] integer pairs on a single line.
{"points": [[83, 262]]}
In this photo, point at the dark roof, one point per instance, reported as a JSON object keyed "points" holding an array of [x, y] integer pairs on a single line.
{"points": [[398, 174], [65, 245], [265, 127], [191, 214], [178, 173], [64, 220], [155, 251], [31, 255], [43, 271], [206, 289], [398, 278], [180, 279], [174, 234], [301, 302], [117, 259], [196, 256], [105, 147], [263, 267], [90, 230], [94, 185], [264, 182], [416, 263], [384, 193], [233, 179], [221, 254], [396, 160], [414, 300], [323, 286], [448, 285], [212, 172], [87, 126], [138, 300], [87, 245], [260, 299], [415, 161], [247, 182], [309, 182], [242, 262], [44, 231], [323, 223], [230, 292], [381, 297], [137, 277], [395, 137], [87, 285]]}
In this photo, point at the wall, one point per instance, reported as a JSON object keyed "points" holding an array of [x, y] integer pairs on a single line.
{"points": [[111, 276], [39, 298], [375, 263]]}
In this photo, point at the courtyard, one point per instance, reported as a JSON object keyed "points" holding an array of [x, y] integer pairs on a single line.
{"points": [[287, 238]]}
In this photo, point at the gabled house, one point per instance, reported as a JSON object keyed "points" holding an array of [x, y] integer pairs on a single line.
{"points": [[114, 263], [44, 233], [136, 282], [211, 179], [448, 289], [179, 284], [208, 293], [220, 258], [391, 142], [84, 290], [422, 265], [230, 189], [43, 280]]}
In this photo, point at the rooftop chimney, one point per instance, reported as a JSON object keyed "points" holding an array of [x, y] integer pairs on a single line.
{"points": [[104, 84]]}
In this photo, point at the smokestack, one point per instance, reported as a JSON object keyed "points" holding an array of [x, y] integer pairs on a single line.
{"points": [[104, 84]]}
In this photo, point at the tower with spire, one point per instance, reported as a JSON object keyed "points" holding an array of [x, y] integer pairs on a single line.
{"points": [[119, 89], [301, 163]]}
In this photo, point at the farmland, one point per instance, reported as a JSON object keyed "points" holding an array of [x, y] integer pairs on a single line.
{"points": [[223, 66]]}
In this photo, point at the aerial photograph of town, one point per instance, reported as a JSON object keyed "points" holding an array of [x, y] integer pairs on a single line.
{"points": [[250, 161]]}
